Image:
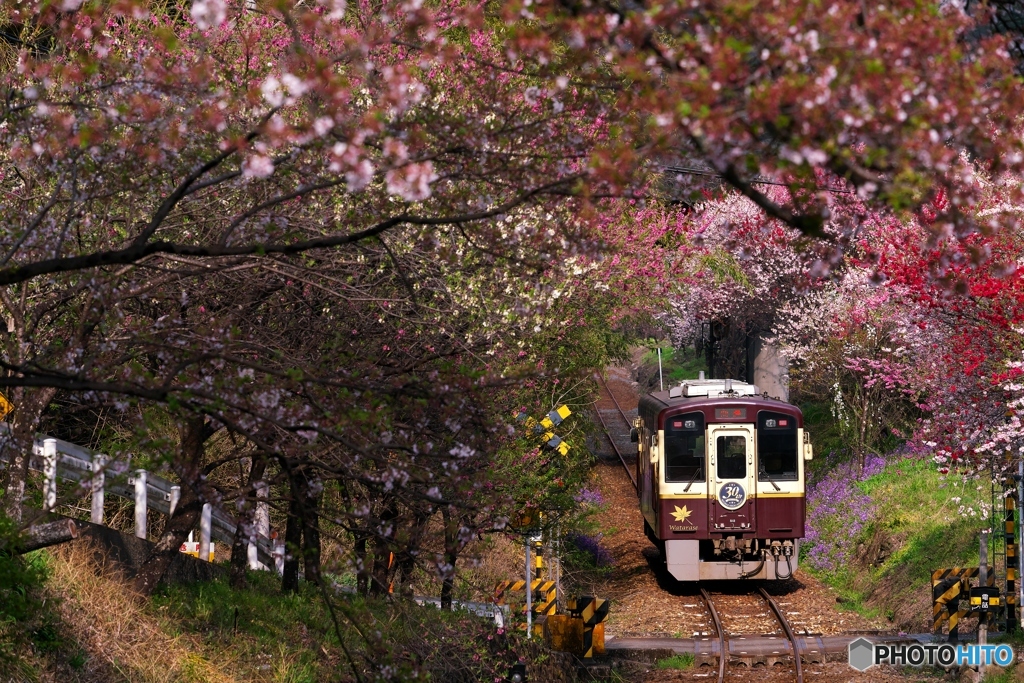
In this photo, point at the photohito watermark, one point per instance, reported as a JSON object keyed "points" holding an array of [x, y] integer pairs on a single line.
{"points": [[864, 654]]}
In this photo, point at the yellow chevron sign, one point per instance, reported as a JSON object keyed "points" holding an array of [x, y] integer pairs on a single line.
{"points": [[545, 425]]}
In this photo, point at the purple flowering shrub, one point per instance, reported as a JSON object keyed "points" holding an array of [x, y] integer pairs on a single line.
{"points": [[837, 512], [586, 551], [589, 497]]}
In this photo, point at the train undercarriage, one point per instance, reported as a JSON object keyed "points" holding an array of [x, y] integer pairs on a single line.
{"points": [[727, 558]]}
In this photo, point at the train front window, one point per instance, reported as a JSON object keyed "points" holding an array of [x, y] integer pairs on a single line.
{"points": [[732, 457], [684, 447], [776, 447]]}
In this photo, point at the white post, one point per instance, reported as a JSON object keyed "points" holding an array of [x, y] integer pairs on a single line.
{"points": [[279, 558], [204, 532], [49, 474], [261, 521], [175, 497], [661, 379], [140, 503], [99, 463]]}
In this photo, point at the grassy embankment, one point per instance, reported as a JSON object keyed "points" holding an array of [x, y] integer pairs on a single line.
{"points": [[88, 628], [880, 537]]}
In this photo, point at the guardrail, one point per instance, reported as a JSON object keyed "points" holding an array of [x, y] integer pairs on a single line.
{"points": [[59, 459]]}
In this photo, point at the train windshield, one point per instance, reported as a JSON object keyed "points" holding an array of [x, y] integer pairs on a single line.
{"points": [[732, 457], [776, 447], [684, 447]]}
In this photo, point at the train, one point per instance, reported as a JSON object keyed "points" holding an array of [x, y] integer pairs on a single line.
{"points": [[720, 479]]}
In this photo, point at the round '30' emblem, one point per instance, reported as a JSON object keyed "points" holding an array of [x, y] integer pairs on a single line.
{"points": [[731, 495]]}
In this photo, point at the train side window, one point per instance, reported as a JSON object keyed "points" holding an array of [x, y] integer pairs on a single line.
{"points": [[777, 447], [732, 457], [684, 447]]}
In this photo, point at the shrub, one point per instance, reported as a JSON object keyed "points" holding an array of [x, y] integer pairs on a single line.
{"points": [[586, 551], [21, 580]]}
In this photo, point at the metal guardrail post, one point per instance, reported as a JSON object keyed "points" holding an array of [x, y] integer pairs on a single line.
{"points": [[205, 523], [99, 463], [175, 497], [261, 521], [49, 474], [140, 503], [75, 463]]}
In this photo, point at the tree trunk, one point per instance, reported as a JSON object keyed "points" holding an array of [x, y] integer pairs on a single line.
{"points": [[244, 532], [195, 433], [292, 547], [451, 556], [29, 405], [186, 516], [45, 535], [382, 559], [310, 531], [362, 575], [406, 562], [862, 436]]}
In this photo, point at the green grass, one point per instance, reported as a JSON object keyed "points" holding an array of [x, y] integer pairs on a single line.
{"points": [[914, 505], [677, 364], [291, 638], [683, 661], [916, 526]]}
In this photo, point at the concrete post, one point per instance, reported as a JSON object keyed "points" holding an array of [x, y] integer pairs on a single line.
{"points": [[175, 497], [205, 523], [529, 593], [99, 463], [261, 521], [140, 503], [49, 474]]}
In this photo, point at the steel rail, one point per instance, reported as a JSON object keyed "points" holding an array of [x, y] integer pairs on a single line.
{"points": [[723, 653], [789, 633], [607, 433], [615, 401]]}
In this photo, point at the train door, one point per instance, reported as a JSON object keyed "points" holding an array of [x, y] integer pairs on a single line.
{"points": [[732, 449]]}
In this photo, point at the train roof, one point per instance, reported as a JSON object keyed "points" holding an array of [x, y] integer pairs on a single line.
{"points": [[702, 392]]}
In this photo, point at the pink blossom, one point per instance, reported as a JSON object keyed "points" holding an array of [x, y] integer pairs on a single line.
{"points": [[206, 13], [257, 166], [411, 182], [360, 176]]}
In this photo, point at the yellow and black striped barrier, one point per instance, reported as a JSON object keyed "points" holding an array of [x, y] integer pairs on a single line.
{"points": [[949, 587], [543, 591], [1012, 565], [592, 612]]}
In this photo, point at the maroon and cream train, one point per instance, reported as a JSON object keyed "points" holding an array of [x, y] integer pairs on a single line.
{"points": [[720, 477]]}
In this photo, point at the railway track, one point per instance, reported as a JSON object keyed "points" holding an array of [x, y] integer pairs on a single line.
{"points": [[742, 619], [604, 425], [732, 646]]}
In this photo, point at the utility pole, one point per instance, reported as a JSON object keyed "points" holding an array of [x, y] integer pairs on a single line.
{"points": [[661, 378]]}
